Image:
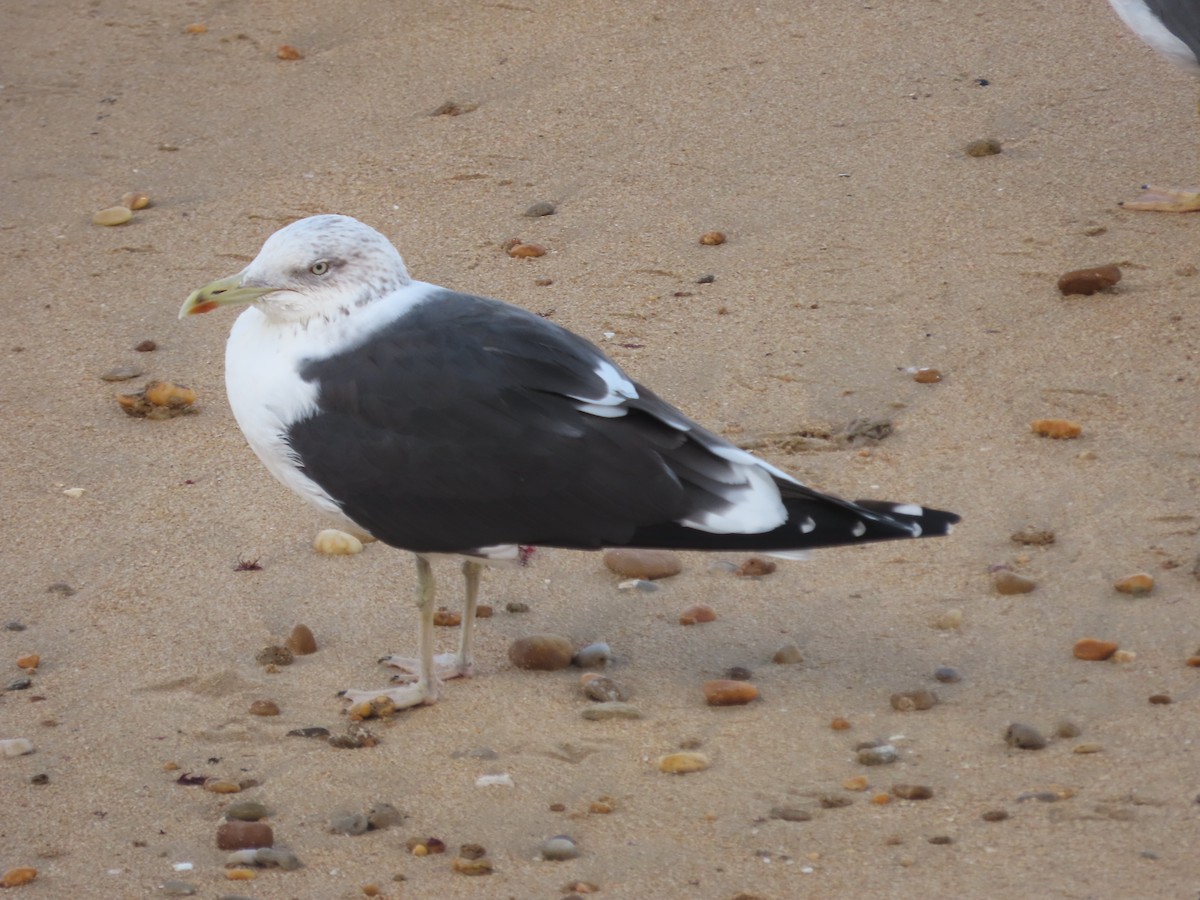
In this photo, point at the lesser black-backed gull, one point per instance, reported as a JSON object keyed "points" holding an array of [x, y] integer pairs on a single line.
{"points": [[443, 423]]}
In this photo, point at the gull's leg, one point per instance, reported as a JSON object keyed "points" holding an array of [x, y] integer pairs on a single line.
{"points": [[448, 665], [425, 690]]}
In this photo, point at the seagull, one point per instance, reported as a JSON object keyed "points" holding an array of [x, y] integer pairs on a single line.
{"points": [[1172, 27], [448, 424]]}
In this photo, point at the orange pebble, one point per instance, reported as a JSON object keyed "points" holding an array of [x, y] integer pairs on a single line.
{"points": [[840, 724], [1194, 662], [1141, 583], [727, 692], [697, 614], [857, 783], [881, 799], [287, 51], [29, 661], [1056, 428], [17, 876], [241, 874], [526, 251], [712, 238], [1094, 649]]}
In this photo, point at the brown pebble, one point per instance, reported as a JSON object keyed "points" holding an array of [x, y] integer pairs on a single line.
{"points": [[881, 799], [910, 701], [602, 807], [274, 655], [1089, 281], [29, 661], [158, 400], [1038, 537], [756, 567], [1194, 661], [238, 835], [790, 814], [840, 724], [912, 791], [135, 200], [472, 851], [301, 640], [264, 708], [1160, 699], [727, 692], [647, 564], [1067, 729], [1094, 649], [856, 783], [994, 815], [788, 655], [927, 376], [1087, 748], [483, 611], [112, 215], [370, 890], [526, 251], [447, 619], [463, 866], [146, 346], [17, 876], [983, 147], [541, 652], [697, 614], [1141, 583], [287, 51], [221, 786], [683, 763], [712, 238], [1006, 581], [1059, 429], [196, 28]]}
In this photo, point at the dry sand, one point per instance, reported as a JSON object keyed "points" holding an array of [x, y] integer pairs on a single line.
{"points": [[826, 139]]}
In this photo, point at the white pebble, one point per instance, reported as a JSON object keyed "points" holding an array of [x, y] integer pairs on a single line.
{"points": [[638, 584], [73, 493], [504, 780], [16, 746]]}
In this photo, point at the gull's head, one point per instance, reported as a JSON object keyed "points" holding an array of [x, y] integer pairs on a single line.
{"points": [[322, 266]]}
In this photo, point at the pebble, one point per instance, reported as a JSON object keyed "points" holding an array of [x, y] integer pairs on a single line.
{"points": [[1094, 649], [246, 811], [539, 209], [790, 814], [472, 851], [301, 640], [112, 215], [334, 542], [14, 626], [19, 684], [238, 835], [465, 866], [122, 373], [29, 661], [856, 783], [1141, 583], [559, 848], [950, 620], [1124, 657], [712, 238], [738, 673], [1059, 429], [16, 747], [1005, 581], [516, 607], [788, 655], [17, 876], [1067, 729], [521, 250], [240, 874], [287, 51], [603, 690], [1038, 537], [912, 701], [1089, 281], [1024, 737], [158, 400], [994, 815], [266, 858], [135, 200], [146, 346], [348, 823], [274, 655], [483, 611], [947, 675], [541, 652], [639, 584], [383, 815], [444, 618], [643, 564], [879, 755], [196, 28], [612, 709], [1160, 699], [839, 724], [683, 762], [727, 692], [177, 888], [501, 780], [264, 708], [593, 656], [697, 614], [912, 791], [1090, 747], [983, 147], [756, 567], [221, 786], [310, 731]]}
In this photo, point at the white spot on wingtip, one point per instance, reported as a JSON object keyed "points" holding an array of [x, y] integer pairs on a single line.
{"points": [[808, 526], [859, 529], [908, 509]]}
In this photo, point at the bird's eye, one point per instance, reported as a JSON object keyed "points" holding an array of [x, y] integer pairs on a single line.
{"points": [[320, 267]]}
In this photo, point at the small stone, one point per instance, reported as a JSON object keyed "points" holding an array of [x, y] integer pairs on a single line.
{"points": [[645, 564], [603, 690], [135, 200], [840, 724], [683, 763], [927, 376], [612, 709], [158, 400], [756, 567], [464, 866], [712, 238], [879, 755], [264, 708], [727, 692], [539, 209], [334, 542], [1160, 699], [1090, 747], [1067, 729], [17, 876], [122, 373], [950, 620], [274, 656], [287, 51], [787, 655], [383, 815], [1024, 737], [913, 701], [348, 823], [240, 874], [310, 731], [697, 613], [276, 858], [472, 851], [40, 778], [112, 215], [444, 618], [941, 839], [246, 811], [516, 607], [1089, 281], [10, 747], [1123, 657], [526, 251], [238, 835], [19, 684], [790, 814], [301, 640], [14, 626], [196, 28], [947, 675], [1141, 583], [559, 848], [602, 807], [642, 585], [593, 656], [856, 783], [738, 673], [912, 791], [221, 786], [541, 652], [1037, 537], [1094, 649], [29, 661], [483, 611], [177, 888], [983, 147], [1006, 581], [707, 278], [455, 108], [1058, 429], [994, 815]]}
